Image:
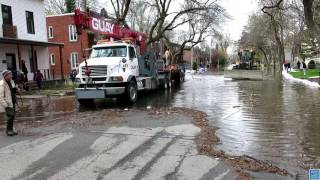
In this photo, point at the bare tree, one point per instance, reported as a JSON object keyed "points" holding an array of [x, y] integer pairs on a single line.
{"points": [[120, 11], [309, 15], [201, 23], [141, 15], [59, 6], [279, 27], [223, 41], [168, 21], [274, 9], [55, 6], [258, 35]]}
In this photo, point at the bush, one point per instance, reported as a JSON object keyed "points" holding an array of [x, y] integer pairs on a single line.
{"points": [[311, 65]]}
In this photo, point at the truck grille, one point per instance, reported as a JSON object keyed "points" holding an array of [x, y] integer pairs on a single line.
{"points": [[100, 70]]}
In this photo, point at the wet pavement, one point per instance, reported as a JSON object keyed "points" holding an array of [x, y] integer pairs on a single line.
{"points": [[274, 121], [107, 144]]}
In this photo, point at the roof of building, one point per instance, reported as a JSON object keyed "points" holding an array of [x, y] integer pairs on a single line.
{"points": [[57, 15], [28, 42]]}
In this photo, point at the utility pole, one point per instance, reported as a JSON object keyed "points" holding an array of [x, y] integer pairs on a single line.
{"points": [[218, 64], [217, 49], [191, 65], [210, 55]]}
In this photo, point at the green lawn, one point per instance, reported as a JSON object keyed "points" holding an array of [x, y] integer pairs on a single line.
{"points": [[310, 73]]}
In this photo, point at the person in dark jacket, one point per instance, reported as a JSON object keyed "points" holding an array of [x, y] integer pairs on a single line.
{"points": [[298, 65], [39, 78], [24, 70], [304, 67]]}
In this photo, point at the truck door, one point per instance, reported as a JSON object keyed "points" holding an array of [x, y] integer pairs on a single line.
{"points": [[134, 65]]}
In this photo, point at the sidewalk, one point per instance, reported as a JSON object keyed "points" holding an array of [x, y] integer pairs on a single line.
{"points": [[302, 81]]}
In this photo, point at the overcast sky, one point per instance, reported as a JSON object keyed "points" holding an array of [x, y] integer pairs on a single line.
{"points": [[239, 10]]}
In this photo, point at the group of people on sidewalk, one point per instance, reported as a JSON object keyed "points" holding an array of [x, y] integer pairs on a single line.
{"points": [[300, 66], [21, 78]]}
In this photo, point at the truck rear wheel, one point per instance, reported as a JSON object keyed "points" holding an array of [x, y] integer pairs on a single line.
{"points": [[132, 92], [163, 83]]}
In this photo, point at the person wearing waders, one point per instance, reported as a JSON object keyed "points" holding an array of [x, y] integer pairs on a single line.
{"points": [[7, 101]]}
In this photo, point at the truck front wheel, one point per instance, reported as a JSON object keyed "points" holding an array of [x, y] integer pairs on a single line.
{"points": [[86, 102], [132, 92]]}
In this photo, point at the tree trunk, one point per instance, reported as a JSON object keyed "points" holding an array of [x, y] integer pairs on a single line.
{"points": [[265, 56], [308, 13]]}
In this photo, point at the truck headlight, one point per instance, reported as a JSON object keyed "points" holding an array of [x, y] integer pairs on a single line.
{"points": [[117, 78]]}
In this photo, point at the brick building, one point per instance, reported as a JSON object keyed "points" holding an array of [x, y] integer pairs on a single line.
{"points": [[190, 56], [61, 29]]}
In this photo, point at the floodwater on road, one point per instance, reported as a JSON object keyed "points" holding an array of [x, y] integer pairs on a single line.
{"points": [[276, 121]]}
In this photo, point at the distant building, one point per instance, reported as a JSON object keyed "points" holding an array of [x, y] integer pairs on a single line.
{"points": [[23, 36], [190, 56]]}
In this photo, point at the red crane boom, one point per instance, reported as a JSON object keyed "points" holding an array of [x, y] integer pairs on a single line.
{"points": [[96, 23]]}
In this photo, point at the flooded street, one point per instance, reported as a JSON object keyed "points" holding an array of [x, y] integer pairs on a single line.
{"points": [[270, 120]]}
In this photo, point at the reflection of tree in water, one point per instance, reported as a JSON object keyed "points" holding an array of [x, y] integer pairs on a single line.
{"points": [[159, 98], [286, 117], [262, 99], [308, 112]]}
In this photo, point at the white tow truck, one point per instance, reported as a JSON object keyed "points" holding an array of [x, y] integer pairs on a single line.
{"points": [[116, 69]]}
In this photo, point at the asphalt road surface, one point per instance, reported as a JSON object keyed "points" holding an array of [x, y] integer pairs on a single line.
{"points": [[134, 146]]}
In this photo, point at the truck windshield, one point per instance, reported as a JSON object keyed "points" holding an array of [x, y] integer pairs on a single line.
{"points": [[114, 51]]}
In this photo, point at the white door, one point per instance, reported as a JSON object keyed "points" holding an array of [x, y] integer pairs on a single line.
{"points": [[133, 65]]}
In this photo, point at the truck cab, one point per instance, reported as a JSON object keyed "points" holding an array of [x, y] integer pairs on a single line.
{"points": [[111, 71]]}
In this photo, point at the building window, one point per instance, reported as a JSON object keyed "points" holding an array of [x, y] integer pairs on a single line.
{"points": [[30, 22], [74, 60], [50, 32], [72, 33], [52, 59], [6, 14]]}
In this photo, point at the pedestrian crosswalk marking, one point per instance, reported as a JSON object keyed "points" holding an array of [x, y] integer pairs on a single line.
{"points": [[108, 158], [170, 160], [119, 153], [16, 158], [129, 169]]}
